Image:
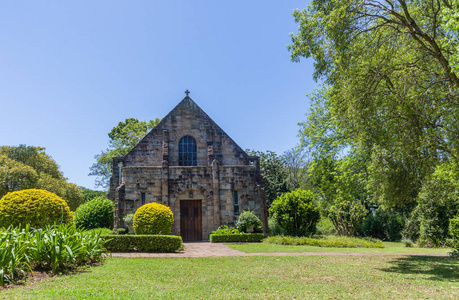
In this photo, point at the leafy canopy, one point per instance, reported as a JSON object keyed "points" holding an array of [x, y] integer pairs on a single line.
{"points": [[122, 138]]}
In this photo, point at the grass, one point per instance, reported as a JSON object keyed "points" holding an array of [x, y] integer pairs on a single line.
{"points": [[327, 241], [337, 277], [389, 247]]}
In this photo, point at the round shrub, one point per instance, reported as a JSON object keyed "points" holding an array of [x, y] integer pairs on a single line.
{"points": [[35, 207], [246, 220], [96, 213], [153, 218], [296, 212]]}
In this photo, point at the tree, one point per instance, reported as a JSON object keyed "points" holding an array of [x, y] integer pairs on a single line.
{"points": [[296, 212], [390, 88], [274, 173], [27, 167], [122, 138]]}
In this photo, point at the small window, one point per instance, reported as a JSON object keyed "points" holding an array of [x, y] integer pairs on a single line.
{"points": [[142, 199], [187, 151], [236, 202]]}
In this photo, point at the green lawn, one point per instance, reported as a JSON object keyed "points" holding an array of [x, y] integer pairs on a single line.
{"points": [[303, 277], [388, 248]]}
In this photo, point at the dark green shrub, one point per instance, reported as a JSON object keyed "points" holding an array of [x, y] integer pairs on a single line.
{"points": [[96, 213], [143, 243], [438, 203], [384, 225], [241, 237], [35, 207], [412, 225], [153, 218], [347, 216], [296, 212], [248, 221], [274, 227]]}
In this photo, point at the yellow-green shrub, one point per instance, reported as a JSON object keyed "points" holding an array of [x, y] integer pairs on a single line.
{"points": [[153, 218], [35, 207]]}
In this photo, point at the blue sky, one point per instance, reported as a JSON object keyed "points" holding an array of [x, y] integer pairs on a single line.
{"points": [[70, 72]]}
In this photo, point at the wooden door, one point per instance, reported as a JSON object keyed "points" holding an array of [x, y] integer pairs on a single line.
{"points": [[191, 220]]}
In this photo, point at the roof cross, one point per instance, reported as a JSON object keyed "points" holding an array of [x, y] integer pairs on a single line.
{"points": [[187, 92]]}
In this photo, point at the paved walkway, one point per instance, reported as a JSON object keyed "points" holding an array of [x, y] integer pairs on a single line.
{"points": [[207, 249]]}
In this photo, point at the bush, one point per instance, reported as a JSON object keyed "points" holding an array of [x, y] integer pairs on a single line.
{"points": [[129, 220], [274, 227], [246, 220], [347, 216], [438, 203], [122, 231], [153, 218], [96, 213], [241, 237], [296, 212], [225, 229], [143, 243], [454, 231], [99, 231], [35, 207], [329, 241], [384, 225], [325, 227]]}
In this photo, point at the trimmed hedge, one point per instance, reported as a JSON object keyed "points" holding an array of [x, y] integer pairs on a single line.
{"points": [[242, 237], [143, 243]]}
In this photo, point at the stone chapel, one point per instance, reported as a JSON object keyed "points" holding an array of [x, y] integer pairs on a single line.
{"points": [[188, 163]]}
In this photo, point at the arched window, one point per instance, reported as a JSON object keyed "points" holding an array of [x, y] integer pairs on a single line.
{"points": [[187, 151]]}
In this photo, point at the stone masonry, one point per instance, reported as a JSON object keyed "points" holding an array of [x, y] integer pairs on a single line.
{"points": [[223, 172]]}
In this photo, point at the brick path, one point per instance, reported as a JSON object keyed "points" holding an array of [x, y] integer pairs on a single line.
{"points": [[206, 249]]}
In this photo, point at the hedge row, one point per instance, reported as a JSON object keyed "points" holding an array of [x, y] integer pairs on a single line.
{"points": [[143, 243], [240, 237]]}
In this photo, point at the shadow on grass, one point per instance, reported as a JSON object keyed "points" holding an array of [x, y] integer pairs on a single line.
{"points": [[440, 268]]}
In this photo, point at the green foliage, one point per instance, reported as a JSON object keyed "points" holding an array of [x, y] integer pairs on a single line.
{"points": [[122, 231], [347, 216], [89, 194], [129, 219], [274, 173], [454, 231], [225, 229], [143, 243], [296, 212], [325, 227], [247, 219], [37, 208], [236, 237], [122, 138], [385, 225], [329, 241], [96, 213], [99, 231], [26, 167], [390, 89], [274, 228], [438, 203], [56, 248], [153, 218]]}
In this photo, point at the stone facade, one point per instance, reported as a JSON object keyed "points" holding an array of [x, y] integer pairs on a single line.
{"points": [[224, 178]]}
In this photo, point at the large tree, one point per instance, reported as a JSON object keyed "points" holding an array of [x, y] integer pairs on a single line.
{"points": [[390, 88], [25, 167], [122, 138]]}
